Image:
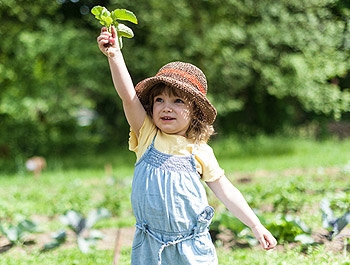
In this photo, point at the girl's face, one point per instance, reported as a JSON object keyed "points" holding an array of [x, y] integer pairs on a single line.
{"points": [[171, 114]]}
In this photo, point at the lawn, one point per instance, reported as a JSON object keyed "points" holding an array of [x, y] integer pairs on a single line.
{"points": [[279, 176]]}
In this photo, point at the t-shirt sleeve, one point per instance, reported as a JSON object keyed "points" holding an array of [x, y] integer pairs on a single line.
{"points": [[140, 144], [210, 168]]}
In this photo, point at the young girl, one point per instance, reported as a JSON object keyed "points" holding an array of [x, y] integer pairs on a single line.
{"points": [[171, 121]]}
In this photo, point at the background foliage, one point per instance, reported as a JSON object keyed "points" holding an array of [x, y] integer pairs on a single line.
{"points": [[269, 65]]}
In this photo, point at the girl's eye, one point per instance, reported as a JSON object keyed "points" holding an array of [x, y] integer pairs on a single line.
{"points": [[179, 100], [158, 100]]}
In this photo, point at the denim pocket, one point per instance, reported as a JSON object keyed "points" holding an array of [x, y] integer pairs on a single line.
{"points": [[199, 250], [203, 245], [139, 238]]}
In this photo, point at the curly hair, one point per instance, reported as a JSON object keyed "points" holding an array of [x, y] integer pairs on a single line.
{"points": [[199, 130]]}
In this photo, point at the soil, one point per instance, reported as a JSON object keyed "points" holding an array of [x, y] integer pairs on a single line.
{"points": [[35, 242], [115, 239]]}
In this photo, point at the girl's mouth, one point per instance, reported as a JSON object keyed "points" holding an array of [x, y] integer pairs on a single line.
{"points": [[166, 118]]}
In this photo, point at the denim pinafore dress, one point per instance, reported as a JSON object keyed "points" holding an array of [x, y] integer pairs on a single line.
{"points": [[172, 212]]}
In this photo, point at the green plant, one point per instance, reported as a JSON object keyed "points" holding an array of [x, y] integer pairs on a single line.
{"points": [[58, 239], [86, 237], [112, 201], [108, 19], [340, 201], [332, 223], [16, 233], [287, 228], [225, 220], [81, 226]]}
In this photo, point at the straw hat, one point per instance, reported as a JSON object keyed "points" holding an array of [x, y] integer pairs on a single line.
{"points": [[183, 76]]}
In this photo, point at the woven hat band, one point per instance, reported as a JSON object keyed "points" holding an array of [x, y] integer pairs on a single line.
{"points": [[191, 78]]}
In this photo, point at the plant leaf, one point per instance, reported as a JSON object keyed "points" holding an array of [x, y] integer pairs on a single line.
{"points": [[27, 226], [296, 220], [304, 239], [59, 238], [124, 31], [83, 244], [51, 245], [123, 14], [327, 214], [106, 21], [100, 11], [13, 234], [97, 11], [340, 223], [95, 215], [96, 234], [74, 220], [103, 15]]}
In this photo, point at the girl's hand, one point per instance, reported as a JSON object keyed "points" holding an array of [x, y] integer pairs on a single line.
{"points": [[108, 42], [265, 238]]}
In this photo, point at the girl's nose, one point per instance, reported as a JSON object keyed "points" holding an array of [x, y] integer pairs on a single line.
{"points": [[167, 109]]}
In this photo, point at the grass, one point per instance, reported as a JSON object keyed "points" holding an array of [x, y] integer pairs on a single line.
{"points": [[68, 256], [280, 153], [314, 255], [275, 175]]}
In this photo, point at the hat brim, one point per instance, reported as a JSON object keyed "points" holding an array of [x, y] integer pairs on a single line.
{"points": [[208, 110]]}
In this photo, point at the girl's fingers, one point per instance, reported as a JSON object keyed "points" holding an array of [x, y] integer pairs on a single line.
{"points": [[104, 37], [101, 40], [107, 41], [269, 243], [265, 238], [105, 34], [114, 32]]}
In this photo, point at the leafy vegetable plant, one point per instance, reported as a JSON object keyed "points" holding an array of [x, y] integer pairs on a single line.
{"points": [[108, 19], [332, 223], [288, 228], [241, 232], [86, 237], [16, 233], [285, 228], [58, 239]]}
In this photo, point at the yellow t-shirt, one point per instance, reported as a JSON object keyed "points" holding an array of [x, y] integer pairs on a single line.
{"points": [[206, 162]]}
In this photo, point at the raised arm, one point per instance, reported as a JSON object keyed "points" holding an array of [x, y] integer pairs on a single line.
{"points": [[233, 199], [133, 109]]}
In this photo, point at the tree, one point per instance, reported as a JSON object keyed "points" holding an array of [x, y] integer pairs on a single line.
{"points": [[46, 81], [267, 64], [265, 61]]}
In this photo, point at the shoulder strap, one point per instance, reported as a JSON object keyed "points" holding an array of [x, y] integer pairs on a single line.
{"points": [[154, 138]]}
